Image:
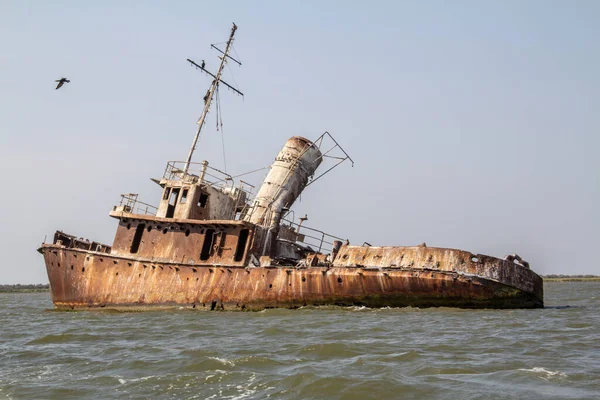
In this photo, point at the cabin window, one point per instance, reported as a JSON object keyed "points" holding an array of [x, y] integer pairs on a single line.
{"points": [[241, 245], [172, 203], [174, 195], [207, 245], [183, 196], [137, 238], [202, 200], [166, 193]]}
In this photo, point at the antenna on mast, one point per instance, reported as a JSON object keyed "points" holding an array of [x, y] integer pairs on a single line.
{"points": [[211, 91]]}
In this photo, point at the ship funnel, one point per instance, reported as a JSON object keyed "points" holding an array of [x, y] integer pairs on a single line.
{"points": [[295, 163]]}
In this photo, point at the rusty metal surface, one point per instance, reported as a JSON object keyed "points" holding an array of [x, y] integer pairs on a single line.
{"points": [[80, 278], [286, 180], [181, 240], [71, 241], [442, 259]]}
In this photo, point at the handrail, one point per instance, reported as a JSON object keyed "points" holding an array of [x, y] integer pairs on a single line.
{"points": [[196, 172], [130, 203], [319, 238]]}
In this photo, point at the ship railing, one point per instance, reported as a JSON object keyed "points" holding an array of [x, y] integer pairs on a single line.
{"points": [[316, 239], [197, 172], [244, 194], [72, 242], [130, 204]]}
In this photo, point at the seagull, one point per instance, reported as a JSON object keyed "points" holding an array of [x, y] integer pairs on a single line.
{"points": [[61, 82]]}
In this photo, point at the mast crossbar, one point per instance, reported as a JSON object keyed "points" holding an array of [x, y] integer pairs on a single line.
{"points": [[226, 55], [210, 73], [209, 95]]}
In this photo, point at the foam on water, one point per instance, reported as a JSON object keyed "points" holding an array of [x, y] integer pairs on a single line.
{"points": [[545, 373], [223, 361]]}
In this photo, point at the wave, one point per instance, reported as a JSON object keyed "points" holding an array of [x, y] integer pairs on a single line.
{"points": [[544, 373], [123, 381], [63, 338]]}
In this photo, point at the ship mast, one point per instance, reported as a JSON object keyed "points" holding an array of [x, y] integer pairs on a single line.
{"points": [[211, 91]]}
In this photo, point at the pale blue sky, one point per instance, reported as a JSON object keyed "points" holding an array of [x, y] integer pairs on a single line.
{"points": [[473, 124]]}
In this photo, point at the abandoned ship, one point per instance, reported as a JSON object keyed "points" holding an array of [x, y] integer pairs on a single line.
{"points": [[210, 244]]}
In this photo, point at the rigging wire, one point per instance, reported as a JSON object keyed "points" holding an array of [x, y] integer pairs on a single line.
{"points": [[236, 54], [231, 72], [233, 77], [251, 172]]}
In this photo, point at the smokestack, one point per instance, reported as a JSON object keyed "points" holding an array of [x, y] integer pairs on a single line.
{"points": [[289, 174]]}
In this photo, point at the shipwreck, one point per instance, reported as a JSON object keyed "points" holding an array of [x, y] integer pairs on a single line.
{"points": [[211, 244]]}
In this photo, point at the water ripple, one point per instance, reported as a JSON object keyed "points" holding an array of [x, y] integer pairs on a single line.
{"points": [[312, 352]]}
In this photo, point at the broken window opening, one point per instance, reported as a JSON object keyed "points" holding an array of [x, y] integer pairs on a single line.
{"points": [[202, 200], [172, 203], [173, 198], [207, 245], [137, 238], [166, 193], [184, 196], [241, 245]]}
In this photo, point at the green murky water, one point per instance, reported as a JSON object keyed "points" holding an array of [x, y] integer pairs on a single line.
{"points": [[325, 353]]}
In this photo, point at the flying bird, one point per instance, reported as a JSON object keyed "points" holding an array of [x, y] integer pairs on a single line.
{"points": [[61, 82]]}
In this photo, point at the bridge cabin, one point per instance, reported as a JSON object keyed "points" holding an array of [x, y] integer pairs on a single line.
{"points": [[195, 222]]}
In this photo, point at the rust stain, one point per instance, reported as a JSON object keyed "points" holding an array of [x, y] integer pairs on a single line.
{"points": [[80, 279]]}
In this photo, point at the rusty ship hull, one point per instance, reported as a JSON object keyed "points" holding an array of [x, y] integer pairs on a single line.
{"points": [[388, 277]]}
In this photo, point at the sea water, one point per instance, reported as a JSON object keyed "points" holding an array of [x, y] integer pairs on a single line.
{"points": [[308, 353]]}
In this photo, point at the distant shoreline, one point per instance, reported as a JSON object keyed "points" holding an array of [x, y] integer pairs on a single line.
{"points": [[572, 279], [18, 288]]}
